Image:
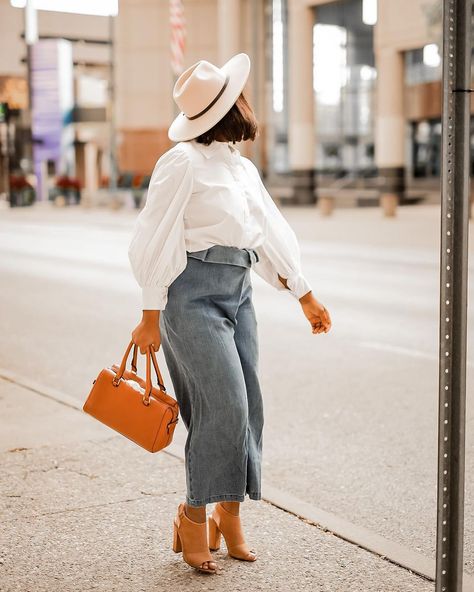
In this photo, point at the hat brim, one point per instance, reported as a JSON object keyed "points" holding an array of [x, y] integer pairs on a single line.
{"points": [[183, 129]]}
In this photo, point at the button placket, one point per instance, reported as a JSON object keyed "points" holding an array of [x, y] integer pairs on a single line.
{"points": [[245, 199], [236, 169], [246, 189]]}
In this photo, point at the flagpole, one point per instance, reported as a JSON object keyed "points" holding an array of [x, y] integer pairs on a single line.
{"points": [[113, 173], [177, 43]]}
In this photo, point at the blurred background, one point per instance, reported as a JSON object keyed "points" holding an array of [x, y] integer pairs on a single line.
{"points": [[348, 94]]}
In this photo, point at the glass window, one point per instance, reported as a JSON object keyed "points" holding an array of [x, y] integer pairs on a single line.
{"points": [[426, 148], [420, 66], [344, 87]]}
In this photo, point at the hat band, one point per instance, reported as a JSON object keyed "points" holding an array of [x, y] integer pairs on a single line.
{"points": [[227, 78]]}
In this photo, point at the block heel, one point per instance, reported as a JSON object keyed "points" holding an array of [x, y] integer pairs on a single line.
{"points": [[177, 547], [214, 535]]}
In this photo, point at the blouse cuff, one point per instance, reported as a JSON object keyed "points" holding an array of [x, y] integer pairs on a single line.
{"points": [[298, 285], [154, 297]]}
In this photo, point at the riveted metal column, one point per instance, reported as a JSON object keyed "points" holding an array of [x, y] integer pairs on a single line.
{"points": [[453, 294]]}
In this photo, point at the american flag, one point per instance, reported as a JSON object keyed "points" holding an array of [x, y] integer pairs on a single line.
{"points": [[178, 34]]}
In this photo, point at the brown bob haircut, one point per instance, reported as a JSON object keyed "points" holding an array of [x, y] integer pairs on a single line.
{"points": [[237, 124]]}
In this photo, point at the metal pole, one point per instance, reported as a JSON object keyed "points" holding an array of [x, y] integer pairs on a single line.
{"points": [[453, 294], [112, 125], [257, 47], [31, 37]]}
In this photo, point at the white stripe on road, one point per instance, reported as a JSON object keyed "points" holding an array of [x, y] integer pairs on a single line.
{"points": [[404, 351]]}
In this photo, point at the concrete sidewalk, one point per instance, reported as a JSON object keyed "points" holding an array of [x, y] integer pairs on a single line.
{"points": [[84, 509]]}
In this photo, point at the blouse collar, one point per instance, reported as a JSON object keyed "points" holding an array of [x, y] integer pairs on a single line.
{"points": [[227, 149]]}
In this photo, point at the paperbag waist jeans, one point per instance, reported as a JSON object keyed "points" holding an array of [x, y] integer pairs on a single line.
{"points": [[210, 343]]}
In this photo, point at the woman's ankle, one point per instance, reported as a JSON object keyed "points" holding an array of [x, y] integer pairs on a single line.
{"points": [[195, 513], [231, 507]]}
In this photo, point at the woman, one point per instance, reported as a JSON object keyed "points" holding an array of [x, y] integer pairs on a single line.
{"points": [[207, 221]]}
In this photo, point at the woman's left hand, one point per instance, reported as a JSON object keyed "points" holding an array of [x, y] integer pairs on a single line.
{"points": [[316, 313]]}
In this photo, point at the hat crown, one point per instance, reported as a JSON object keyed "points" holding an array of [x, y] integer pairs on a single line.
{"points": [[197, 87], [204, 94]]}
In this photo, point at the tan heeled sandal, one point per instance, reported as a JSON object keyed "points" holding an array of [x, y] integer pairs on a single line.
{"points": [[190, 538], [221, 521]]}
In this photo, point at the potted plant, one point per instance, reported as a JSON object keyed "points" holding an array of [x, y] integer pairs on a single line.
{"points": [[74, 190], [22, 193], [67, 190]]}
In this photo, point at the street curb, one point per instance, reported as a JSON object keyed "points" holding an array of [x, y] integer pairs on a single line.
{"points": [[352, 533]]}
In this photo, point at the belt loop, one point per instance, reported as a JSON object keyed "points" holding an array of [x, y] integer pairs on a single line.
{"points": [[253, 255]]}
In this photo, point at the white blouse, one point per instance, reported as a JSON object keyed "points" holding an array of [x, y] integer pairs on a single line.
{"points": [[200, 196]]}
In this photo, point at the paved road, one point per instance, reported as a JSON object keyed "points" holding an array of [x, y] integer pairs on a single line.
{"points": [[350, 416]]}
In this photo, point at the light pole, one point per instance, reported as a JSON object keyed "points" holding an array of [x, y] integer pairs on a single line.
{"points": [[112, 123], [31, 37]]}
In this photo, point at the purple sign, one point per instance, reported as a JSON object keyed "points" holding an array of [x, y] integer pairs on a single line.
{"points": [[52, 104]]}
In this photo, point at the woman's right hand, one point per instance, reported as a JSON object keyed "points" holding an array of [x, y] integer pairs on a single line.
{"points": [[147, 332]]}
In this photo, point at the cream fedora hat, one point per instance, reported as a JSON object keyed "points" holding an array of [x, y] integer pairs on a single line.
{"points": [[205, 93]]}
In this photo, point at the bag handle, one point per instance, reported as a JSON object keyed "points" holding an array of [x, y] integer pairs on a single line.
{"points": [[134, 358], [150, 353]]}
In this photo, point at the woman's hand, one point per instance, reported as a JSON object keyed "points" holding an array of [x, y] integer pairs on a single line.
{"points": [[316, 314], [147, 332]]}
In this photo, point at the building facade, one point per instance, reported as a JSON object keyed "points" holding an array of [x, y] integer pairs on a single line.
{"points": [[347, 92]]}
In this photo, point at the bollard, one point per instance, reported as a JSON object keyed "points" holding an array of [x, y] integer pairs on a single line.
{"points": [[326, 205], [389, 203], [60, 201]]}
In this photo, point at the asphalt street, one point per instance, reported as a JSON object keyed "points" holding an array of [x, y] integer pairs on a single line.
{"points": [[350, 416]]}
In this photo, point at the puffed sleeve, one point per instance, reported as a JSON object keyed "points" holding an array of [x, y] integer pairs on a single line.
{"points": [[157, 250], [280, 252]]}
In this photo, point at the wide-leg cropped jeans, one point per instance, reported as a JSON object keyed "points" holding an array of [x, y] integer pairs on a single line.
{"points": [[209, 340]]}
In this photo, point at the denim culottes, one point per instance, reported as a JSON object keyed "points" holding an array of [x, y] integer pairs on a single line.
{"points": [[209, 340]]}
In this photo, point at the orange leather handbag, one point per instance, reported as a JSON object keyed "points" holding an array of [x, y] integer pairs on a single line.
{"points": [[132, 406]]}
